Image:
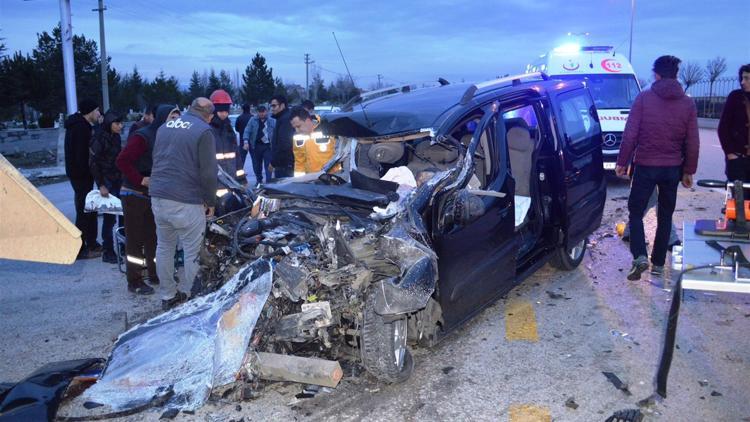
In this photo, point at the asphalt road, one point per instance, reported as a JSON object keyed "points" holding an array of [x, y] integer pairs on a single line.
{"points": [[547, 343]]}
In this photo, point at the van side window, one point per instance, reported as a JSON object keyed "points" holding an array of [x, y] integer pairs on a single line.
{"points": [[579, 120]]}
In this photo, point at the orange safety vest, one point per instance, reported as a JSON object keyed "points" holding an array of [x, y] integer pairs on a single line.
{"points": [[312, 151]]}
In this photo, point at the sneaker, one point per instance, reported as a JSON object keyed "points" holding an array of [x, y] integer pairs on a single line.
{"points": [[640, 265], [657, 270], [676, 243], [109, 257], [141, 289], [178, 298], [88, 254], [97, 248], [154, 281]]}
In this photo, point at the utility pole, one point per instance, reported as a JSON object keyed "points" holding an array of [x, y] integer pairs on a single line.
{"points": [[308, 62], [103, 57], [632, 18], [379, 78], [69, 69]]}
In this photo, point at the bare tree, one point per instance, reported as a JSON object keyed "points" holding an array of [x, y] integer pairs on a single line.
{"points": [[690, 74], [714, 69]]}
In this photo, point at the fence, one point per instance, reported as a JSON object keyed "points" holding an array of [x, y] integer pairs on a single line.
{"points": [[710, 98]]}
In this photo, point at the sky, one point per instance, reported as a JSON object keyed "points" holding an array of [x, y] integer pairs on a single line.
{"points": [[404, 41]]}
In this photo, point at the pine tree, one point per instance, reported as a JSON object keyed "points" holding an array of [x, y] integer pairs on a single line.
{"points": [[258, 83], [213, 82], [225, 83], [197, 88]]}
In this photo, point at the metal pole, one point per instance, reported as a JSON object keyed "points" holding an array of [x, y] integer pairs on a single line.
{"points": [[103, 58], [307, 76], [69, 70], [632, 18]]}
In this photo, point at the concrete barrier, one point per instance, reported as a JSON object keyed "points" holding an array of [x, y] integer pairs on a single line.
{"points": [[28, 141], [704, 123]]}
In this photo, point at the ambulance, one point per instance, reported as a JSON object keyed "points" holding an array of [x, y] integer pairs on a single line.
{"points": [[609, 77]]}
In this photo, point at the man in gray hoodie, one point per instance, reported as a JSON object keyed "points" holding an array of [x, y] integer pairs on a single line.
{"points": [[183, 192], [661, 141]]}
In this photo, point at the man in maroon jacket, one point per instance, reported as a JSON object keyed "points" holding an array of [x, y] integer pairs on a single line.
{"points": [[661, 141]]}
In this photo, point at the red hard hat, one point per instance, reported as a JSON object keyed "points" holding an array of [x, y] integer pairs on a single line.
{"points": [[220, 97]]}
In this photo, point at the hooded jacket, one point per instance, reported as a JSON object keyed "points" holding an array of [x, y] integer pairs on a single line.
{"points": [[78, 132], [135, 160], [281, 141], [734, 124], [662, 129], [105, 148]]}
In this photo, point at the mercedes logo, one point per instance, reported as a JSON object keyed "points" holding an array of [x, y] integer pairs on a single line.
{"points": [[610, 140]]}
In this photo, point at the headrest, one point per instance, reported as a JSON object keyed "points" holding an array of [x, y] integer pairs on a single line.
{"points": [[519, 139]]}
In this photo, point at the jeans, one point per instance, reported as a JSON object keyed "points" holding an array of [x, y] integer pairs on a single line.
{"points": [[739, 169], [261, 155], [673, 238], [186, 222], [108, 222], [645, 179], [140, 238], [86, 222], [280, 172]]}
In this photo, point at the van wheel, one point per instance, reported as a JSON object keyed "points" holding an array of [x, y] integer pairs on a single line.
{"points": [[383, 345], [569, 258]]}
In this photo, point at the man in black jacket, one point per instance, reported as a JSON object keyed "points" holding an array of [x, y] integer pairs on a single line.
{"points": [[240, 126], [282, 156], [78, 132]]}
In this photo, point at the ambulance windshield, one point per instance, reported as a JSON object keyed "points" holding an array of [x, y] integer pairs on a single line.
{"points": [[609, 91]]}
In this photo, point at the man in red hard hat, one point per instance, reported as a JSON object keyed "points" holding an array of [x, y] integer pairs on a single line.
{"points": [[226, 138]]}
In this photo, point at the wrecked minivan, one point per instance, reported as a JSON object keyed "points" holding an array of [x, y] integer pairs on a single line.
{"points": [[446, 198]]}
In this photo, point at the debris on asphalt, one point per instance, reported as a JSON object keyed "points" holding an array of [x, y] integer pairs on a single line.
{"points": [[447, 370], [648, 402], [278, 367], [716, 394], [615, 380], [571, 403], [626, 415], [553, 295], [703, 383], [170, 414]]}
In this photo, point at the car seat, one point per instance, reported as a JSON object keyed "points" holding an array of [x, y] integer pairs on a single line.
{"points": [[521, 148]]}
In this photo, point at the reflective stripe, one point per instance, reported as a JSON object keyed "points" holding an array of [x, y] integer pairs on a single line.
{"points": [[136, 260], [240, 173], [301, 137], [317, 135], [221, 192], [225, 156], [299, 143], [299, 173]]}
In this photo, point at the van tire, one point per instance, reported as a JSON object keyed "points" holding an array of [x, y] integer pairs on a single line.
{"points": [[380, 340], [568, 259]]}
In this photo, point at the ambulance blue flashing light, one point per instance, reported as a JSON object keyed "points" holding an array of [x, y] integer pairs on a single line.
{"points": [[569, 48]]}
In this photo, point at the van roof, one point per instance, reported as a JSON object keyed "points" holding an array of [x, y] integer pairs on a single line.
{"points": [[582, 61], [426, 108]]}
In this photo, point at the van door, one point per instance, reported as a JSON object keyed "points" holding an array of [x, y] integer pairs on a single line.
{"points": [[581, 146], [476, 259]]}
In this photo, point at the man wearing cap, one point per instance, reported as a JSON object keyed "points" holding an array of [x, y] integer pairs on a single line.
{"points": [[183, 191], [258, 141], [226, 138], [105, 148], [239, 126], [148, 117], [78, 132]]}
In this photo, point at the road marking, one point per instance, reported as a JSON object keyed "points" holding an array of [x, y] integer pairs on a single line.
{"points": [[520, 321], [529, 413]]}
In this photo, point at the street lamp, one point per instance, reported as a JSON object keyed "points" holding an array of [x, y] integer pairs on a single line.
{"points": [[632, 17]]}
